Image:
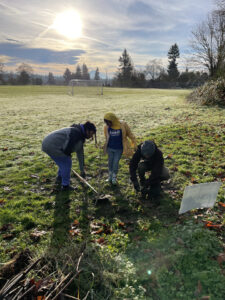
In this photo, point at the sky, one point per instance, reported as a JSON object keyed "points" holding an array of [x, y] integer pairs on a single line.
{"points": [[146, 28]]}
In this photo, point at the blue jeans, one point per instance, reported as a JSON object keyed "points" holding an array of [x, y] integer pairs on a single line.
{"points": [[64, 163], [114, 156]]}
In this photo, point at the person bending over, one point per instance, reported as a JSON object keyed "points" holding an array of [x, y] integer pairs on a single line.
{"points": [[60, 144]]}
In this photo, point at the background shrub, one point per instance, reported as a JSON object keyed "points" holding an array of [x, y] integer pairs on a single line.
{"points": [[211, 93]]}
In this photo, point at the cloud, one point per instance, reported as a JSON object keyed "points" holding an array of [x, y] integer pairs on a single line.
{"points": [[146, 28], [39, 55]]}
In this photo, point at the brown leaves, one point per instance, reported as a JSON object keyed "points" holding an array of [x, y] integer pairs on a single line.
{"points": [[221, 204], [2, 202], [101, 241], [209, 224], [7, 236], [74, 230], [36, 235], [187, 173], [221, 258], [101, 228], [6, 227], [169, 156], [193, 180]]}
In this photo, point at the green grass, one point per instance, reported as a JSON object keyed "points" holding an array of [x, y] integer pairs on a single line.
{"points": [[147, 253]]}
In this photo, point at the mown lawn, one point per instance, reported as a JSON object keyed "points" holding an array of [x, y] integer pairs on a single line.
{"points": [[131, 249]]}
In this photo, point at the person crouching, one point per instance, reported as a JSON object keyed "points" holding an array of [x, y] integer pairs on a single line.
{"points": [[148, 158], [60, 144]]}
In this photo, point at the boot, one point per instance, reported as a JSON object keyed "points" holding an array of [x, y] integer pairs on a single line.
{"points": [[114, 181], [68, 188]]}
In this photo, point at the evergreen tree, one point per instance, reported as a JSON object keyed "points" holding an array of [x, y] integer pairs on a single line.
{"points": [[126, 69], [23, 78], [78, 74], [173, 54], [11, 78], [51, 78], [97, 76], [67, 76], [85, 74]]}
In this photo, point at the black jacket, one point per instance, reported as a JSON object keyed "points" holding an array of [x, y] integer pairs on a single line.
{"points": [[155, 164]]}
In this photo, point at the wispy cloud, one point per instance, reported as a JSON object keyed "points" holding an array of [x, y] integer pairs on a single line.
{"points": [[147, 28]]}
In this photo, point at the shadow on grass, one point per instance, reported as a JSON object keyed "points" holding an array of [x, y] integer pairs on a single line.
{"points": [[61, 224]]}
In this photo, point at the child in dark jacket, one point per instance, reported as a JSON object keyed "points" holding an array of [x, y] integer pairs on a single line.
{"points": [[60, 144], [148, 158]]}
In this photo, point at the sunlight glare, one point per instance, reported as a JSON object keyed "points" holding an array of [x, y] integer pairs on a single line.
{"points": [[68, 23]]}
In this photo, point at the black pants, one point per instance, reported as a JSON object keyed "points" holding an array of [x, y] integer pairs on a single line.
{"points": [[155, 186]]}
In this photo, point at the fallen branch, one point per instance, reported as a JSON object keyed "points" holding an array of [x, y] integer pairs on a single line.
{"points": [[56, 288], [9, 286], [65, 286]]}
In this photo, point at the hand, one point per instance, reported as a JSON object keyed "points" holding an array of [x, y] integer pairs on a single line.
{"points": [[82, 174], [144, 191], [136, 186]]}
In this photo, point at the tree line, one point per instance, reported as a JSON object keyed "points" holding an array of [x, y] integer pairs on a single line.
{"points": [[24, 75], [208, 45], [155, 75]]}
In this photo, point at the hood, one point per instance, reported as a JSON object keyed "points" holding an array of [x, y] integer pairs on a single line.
{"points": [[113, 118]]}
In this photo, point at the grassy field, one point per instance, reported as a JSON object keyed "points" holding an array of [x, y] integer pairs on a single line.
{"points": [[131, 249]]}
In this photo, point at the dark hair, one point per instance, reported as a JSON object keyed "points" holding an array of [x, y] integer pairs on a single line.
{"points": [[89, 126]]}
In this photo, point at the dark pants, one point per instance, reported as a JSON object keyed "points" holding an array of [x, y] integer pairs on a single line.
{"points": [[155, 186]]}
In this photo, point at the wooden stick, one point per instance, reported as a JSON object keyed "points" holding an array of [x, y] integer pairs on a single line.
{"points": [[69, 296], [17, 278], [84, 181], [56, 288], [24, 294], [66, 285], [17, 294], [69, 282]]}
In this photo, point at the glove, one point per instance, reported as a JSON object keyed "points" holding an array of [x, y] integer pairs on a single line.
{"points": [[82, 174], [136, 186]]}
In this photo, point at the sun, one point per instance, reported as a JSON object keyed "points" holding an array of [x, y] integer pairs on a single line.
{"points": [[69, 24]]}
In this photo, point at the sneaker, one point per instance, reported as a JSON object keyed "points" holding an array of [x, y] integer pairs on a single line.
{"points": [[114, 180], [109, 179], [68, 188]]}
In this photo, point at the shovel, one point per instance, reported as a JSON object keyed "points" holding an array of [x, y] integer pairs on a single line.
{"points": [[101, 198], [84, 181]]}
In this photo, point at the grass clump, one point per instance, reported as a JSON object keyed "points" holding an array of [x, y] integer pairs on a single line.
{"points": [[211, 93], [180, 264]]}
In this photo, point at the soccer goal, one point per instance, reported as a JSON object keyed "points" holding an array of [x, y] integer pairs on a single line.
{"points": [[80, 84]]}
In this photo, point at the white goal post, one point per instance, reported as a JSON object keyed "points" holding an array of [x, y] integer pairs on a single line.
{"points": [[83, 83]]}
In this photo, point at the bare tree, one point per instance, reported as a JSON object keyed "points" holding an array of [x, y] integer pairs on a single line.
{"points": [[24, 73], [209, 40], [25, 67], [153, 68]]}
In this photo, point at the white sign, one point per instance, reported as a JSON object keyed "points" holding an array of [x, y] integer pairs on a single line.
{"points": [[199, 196]]}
